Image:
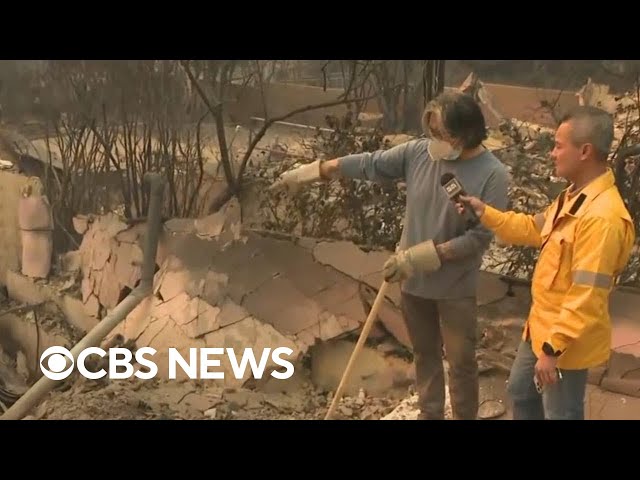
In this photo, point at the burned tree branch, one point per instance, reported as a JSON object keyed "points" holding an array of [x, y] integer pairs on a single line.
{"points": [[271, 121]]}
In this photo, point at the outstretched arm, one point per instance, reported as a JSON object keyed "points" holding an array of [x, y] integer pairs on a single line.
{"points": [[510, 227], [378, 166]]}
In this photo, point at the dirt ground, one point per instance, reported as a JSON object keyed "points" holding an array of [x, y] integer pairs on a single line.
{"points": [[172, 400]]}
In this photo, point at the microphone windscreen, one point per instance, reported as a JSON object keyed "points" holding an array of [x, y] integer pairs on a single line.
{"points": [[446, 178]]}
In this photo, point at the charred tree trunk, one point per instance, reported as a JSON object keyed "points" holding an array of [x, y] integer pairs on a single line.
{"points": [[433, 80]]}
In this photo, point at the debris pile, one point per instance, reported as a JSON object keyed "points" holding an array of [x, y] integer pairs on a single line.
{"points": [[160, 399]]}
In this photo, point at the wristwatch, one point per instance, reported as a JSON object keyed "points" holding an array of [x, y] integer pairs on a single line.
{"points": [[548, 349]]}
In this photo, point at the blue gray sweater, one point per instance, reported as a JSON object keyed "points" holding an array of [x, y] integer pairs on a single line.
{"points": [[431, 215]]}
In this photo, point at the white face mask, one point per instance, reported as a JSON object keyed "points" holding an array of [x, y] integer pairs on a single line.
{"points": [[441, 150]]}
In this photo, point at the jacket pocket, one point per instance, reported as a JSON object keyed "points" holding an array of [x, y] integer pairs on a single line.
{"points": [[548, 271]]}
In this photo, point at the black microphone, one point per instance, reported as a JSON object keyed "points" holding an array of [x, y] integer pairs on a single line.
{"points": [[453, 188]]}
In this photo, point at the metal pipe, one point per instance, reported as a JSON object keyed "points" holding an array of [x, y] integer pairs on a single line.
{"points": [[295, 125], [44, 385]]}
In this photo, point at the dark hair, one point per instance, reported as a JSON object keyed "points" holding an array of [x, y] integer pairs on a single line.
{"points": [[591, 125], [461, 116]]}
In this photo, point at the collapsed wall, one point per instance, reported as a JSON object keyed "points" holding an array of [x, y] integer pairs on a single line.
{"points": [[218, 286]]}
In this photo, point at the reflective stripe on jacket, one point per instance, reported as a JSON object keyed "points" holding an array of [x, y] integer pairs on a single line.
{"points": [[586, 241]]}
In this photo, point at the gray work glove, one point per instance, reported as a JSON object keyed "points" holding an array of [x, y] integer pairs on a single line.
{"points": [[406, 263], [294, 179]]}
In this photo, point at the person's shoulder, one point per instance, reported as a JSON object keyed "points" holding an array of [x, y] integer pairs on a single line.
{"points": [[491, 158], [607, 207], [410, 146], [496, 168]]}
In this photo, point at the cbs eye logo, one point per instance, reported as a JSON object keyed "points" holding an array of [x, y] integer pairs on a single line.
{"points": [[56, 364]]}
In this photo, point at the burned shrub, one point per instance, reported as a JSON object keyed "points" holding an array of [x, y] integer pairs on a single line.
{"points": [[365, 213]]}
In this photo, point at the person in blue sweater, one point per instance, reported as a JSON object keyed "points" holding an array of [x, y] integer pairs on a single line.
{"points": [[438, 259]]}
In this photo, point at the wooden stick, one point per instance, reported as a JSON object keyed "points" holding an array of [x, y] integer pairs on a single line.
{"points": [[373, 314]]}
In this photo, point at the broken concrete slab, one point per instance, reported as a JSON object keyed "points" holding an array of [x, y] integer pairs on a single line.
{"points": [[373, 372], [26, 291], [349, 259], [389, 315], [605, 405]]}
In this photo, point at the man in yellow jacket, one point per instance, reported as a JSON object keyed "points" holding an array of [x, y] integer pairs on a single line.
{"points": [[585, 239]]}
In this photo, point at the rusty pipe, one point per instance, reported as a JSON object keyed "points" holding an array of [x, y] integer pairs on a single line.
{"points": [[44, 385]]}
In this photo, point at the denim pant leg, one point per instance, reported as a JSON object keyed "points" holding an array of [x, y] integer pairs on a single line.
{"points": [[564, 400], [527, 402]]}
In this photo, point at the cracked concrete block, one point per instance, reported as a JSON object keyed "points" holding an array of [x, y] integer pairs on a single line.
{"points": [[307, 338], [110, 286], [349, 259], [152, 329], [80, 224], [389, 315], [249, 275], [279, 303], [86, 251], [374, 280], [214, 288], [138, 318], [111, 225], [250, 333], [393, 322], [231, 313], [210, 226], [349, 324], [330, 327], [92, 306], [100, 251], [624, 308], [194, 253], [603, 405], [597, 374], [310, 277], [623, 374], [131, 234], [343, 300], [128, 264], [163, 335], [23, 289], [86, 287], [71, 261], [182, 309], [75, 312], [172, 278], [180, 225], [205, 322], [342, 290], [372, 371]]}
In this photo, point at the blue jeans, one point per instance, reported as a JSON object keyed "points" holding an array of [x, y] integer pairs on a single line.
{"points": [[563, 400]]}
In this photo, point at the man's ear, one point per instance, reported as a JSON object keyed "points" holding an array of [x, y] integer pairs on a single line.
{"points": [[588, 150]]}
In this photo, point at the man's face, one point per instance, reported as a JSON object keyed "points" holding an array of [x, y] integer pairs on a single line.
{"points": [[568, 158]]}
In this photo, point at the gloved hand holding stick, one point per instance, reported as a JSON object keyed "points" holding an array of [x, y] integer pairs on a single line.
{"points": [[400, 266]]}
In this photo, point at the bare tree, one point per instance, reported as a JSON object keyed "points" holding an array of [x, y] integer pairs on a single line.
{"points": [[213, 99]]}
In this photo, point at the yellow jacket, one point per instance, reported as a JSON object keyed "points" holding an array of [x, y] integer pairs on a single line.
{"points": [[583, 250]]}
